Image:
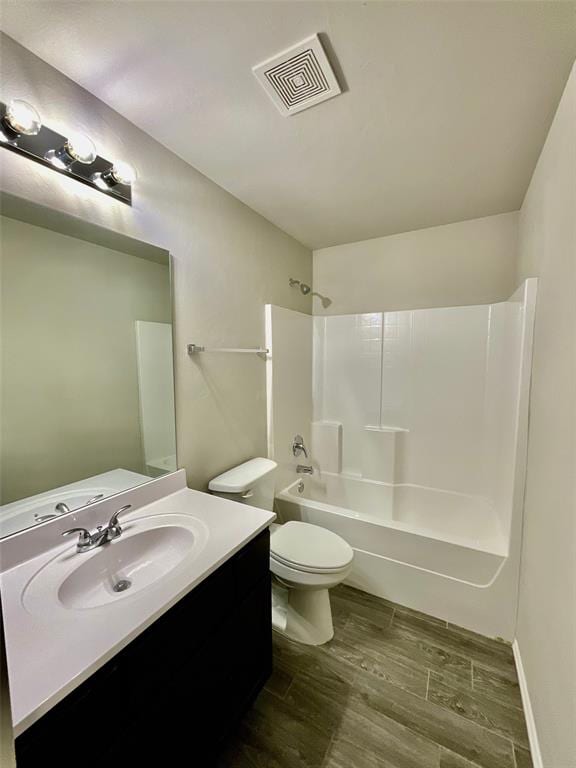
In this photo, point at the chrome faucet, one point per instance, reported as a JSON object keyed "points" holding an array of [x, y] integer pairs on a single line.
{"points": [[61, 508], [298, 446], [87, 540], [303, 469]]}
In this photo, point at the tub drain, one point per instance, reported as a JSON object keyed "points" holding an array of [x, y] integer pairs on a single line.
{"points": [[122, 585]]}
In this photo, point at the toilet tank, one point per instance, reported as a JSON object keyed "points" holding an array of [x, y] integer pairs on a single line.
{"points": [[249, 483]]}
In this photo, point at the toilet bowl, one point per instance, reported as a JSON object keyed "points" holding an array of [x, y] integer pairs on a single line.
{"points": [[306, 560]]}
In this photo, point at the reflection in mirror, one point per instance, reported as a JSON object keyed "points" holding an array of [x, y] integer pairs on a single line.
{"points": [[86, 385]]}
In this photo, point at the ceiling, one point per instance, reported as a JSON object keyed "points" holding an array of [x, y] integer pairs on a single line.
{"points": [[445, 107]]}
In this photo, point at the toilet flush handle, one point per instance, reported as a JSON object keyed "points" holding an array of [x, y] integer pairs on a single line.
{"points": [[248, 494]]}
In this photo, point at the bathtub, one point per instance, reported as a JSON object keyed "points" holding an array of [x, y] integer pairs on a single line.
{"points": [[432, 550]]}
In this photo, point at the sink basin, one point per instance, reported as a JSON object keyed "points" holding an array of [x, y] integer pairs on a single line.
{"points": [[148, 551], [126, 566]]}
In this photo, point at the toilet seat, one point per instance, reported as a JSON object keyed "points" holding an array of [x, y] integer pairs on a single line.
{"points": [[303, 569], [309, 548]]}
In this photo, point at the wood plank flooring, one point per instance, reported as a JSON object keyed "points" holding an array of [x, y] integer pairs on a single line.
{"points": [[394, 689]]}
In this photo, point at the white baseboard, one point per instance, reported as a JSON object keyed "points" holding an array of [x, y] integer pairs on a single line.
{"points": [[528, 712]]}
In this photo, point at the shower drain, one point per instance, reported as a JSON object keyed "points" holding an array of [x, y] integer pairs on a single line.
{"points": [[122, 585]]}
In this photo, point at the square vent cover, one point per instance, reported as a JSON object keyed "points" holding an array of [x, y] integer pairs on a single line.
{"points": [[299, 77]]}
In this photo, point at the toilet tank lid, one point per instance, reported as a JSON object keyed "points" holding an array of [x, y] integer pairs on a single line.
{"points": [[243, 477]]}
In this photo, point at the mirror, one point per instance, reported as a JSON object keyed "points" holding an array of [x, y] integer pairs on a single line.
{"points": [[86, 378]]}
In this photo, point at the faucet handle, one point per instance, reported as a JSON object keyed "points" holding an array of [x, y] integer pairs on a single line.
{"points": [[94, 498], [298, 446], [114, 528], [84, 539]]}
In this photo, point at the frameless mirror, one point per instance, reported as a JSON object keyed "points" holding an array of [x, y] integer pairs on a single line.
{"points": [[86, 378]]}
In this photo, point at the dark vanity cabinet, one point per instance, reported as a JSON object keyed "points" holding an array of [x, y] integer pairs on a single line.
{"points": [[173, 695]]}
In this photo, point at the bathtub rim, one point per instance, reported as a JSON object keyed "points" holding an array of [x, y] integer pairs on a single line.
{"points": [[286, 495]]}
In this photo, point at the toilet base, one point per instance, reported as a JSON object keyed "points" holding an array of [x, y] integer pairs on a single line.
{"points": [[303, 615]]}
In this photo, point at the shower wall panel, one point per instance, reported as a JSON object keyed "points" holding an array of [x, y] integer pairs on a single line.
{"points": [[446, 378]]}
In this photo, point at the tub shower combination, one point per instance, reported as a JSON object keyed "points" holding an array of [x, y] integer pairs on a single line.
{"points": [[417, 422]]}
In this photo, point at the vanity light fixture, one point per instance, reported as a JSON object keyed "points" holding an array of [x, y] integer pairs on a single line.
{"points": [[75, 155], [78, 148], [20, 119]]}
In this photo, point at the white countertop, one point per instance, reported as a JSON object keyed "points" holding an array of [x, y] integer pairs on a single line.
{"points": [[50, 655], [19, 515]]}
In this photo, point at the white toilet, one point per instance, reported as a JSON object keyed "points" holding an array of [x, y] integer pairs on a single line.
{"points": [[306, 560]]}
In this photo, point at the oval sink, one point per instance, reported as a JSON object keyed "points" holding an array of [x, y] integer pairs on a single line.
{"points": [[148, 550], [125, 566]]}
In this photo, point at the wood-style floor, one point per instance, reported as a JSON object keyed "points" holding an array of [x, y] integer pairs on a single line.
{"points": [[393, 689]]}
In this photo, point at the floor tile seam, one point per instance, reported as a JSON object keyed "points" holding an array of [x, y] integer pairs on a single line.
{"points": [[448, 640], [498, 642], [287, 691], [440, 708], [398, 608], [359, 670], [427, 623], [471, 762], [482, 646], [491, 731], [480, 668], [327, 751], [433, 645], [514, 756], [403, 660], [512, 709], [447, 648], [425, 738]]}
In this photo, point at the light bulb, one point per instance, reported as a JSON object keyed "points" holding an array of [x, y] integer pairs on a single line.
{"points": [[81, 148], [119, 173], [22, 118], [123, 172], [77, 148]]}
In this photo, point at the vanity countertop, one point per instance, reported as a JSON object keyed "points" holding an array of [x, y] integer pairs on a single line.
{"points": [[51, 652]]}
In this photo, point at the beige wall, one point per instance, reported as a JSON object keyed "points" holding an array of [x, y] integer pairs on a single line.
{"points": [[228, 261], [69, 382], [472, 262], [547, 610]]}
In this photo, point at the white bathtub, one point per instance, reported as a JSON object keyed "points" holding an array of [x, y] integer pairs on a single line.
{"points": [[446, 533], [433, 550]]}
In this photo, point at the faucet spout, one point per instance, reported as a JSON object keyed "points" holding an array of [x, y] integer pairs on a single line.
{"points": [[303, 469]]}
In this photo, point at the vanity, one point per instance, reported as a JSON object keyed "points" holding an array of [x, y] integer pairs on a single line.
{"points": [[162, 669], [136, 611]]}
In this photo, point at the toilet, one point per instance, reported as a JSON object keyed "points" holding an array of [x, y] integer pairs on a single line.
{"points": [[306, 560]]}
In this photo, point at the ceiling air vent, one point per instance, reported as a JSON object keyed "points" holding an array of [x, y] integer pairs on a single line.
{"points": [[299, 77]]}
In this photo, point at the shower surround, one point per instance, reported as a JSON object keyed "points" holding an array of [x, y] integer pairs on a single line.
{"points": [[417, 422]]}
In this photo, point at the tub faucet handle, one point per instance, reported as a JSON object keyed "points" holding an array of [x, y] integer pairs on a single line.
{"points": [[298, 446]]}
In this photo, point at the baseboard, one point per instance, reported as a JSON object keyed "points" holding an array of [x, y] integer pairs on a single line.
{"points": [[528, 712]]}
